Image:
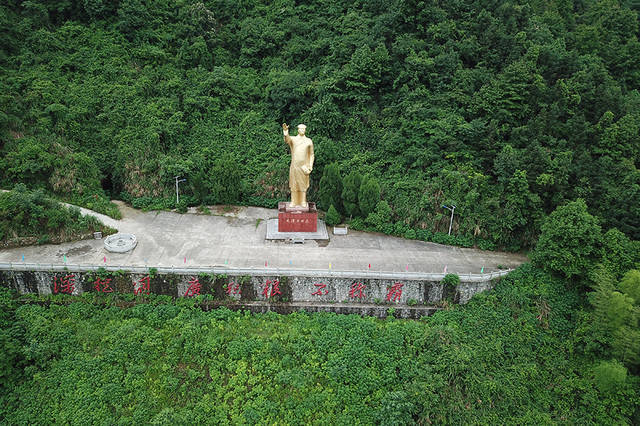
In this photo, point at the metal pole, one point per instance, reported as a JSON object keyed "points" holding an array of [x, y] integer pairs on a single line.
{"points": [[178, 180], [452, 208], [177, 197]]}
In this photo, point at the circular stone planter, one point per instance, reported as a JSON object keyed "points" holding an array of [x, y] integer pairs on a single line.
{"points": [[120, 243]]}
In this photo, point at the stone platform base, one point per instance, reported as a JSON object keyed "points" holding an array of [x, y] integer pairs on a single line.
{"points": [[297, 219], [273, 233]]}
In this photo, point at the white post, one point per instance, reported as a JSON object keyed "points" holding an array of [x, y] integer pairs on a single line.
{"points": [[451, 221], [452, 208], [178, 180]]}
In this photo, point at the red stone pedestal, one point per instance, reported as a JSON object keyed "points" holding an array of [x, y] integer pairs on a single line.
{"points": [[297, 219]]}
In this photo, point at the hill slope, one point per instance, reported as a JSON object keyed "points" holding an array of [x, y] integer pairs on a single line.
{"points": [[506, 109]]}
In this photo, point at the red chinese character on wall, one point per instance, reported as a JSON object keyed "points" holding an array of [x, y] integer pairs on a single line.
{"points": [[274, 286], [357, 291], [194, 288], [395, 292], [233, 288], [103, 285], [321, 291], [144, 287], [66, 284]]}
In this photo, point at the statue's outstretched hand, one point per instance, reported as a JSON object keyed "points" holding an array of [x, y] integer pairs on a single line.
{"points": [[285, 128]]}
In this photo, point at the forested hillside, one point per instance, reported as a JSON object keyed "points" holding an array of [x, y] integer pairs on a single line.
{"points": [[523, 354], [507, 109], [524, 115]]}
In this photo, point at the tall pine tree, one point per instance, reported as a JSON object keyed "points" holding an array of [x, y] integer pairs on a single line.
{"points": [[330, 188], [368, 196], [350, 192]]}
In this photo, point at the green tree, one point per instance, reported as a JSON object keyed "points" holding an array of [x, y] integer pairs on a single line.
{"points": [[626, 344], [225, 177], [10, 334], [350, 193], [619, 252], [609, 375], [516, 219], [570, 241], [380, 216], [630, 285], [618, 310], [616, 314], [364, 74], [199, 184], [29, 162], [368, 196], [330, 188], [99, 9], [133, 15], [333, 217]]}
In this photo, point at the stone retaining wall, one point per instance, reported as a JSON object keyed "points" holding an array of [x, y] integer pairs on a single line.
{"points": [[266, 288]]}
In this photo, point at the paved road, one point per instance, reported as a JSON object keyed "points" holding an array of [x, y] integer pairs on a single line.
{"points": [[237, 239]]}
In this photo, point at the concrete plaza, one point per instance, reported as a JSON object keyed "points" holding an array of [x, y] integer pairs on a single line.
{"points": [[236, 239]]}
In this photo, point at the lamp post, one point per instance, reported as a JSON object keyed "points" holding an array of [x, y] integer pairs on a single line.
{"points": [[452, 208], [178, 180]]}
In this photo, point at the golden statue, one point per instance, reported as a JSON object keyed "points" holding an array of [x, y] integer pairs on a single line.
{"points": [[301, 164]]}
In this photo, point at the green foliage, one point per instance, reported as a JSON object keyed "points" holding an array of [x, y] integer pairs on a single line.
{"points": [[618, 310], [609, 376], [380, 217], [630, 285], [330, 188], [507, 110], [70, 175], [368, 196], [615, 325], [570, 241], [350, 191], [182, 206], [332, 217], [357, 224], [410, 234], [451, 280], [490, 361], [625, 345], [224, 179], [30, 162], [102, 273], [43, 239], [11, 335], [619, 253], [30, 216]]}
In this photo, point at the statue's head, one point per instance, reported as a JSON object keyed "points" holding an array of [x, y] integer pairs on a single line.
{"points": [[302, 129]]}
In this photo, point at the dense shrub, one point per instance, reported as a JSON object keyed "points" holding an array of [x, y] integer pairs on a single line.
{"points": [[570, 242], [410, 234], [30, 216], [503, 358], [451, 280]]}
